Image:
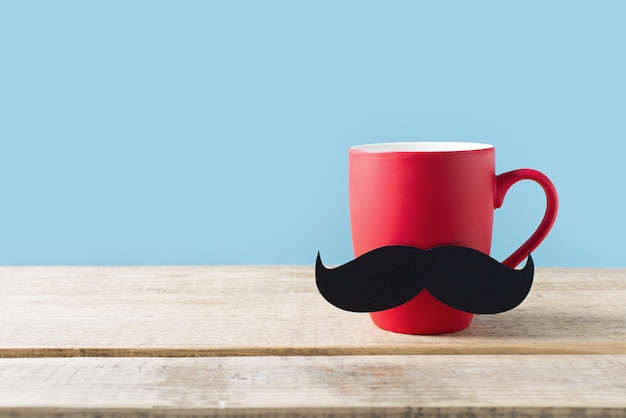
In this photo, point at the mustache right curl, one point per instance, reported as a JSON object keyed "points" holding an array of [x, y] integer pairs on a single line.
{"points": [[461, 277]]}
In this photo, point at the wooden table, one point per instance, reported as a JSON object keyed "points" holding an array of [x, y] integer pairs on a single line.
{"points": [[211, 341]]}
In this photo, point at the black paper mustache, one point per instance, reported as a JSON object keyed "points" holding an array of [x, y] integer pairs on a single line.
{"points": [[461, 277]]}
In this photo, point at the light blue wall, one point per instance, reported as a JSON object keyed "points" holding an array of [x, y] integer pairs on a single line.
{"points": [[216, 132]]}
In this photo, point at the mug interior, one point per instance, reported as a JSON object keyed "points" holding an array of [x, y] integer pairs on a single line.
{"points": [[421, 147]]}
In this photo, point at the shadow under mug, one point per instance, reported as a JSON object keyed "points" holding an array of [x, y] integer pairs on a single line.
{"points": [[427, 194]]}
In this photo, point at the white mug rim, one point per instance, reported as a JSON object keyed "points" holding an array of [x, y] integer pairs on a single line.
{"points": [[428, 147]]}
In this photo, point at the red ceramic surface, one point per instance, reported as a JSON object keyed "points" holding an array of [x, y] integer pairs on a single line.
{"points": [[430, 194]]}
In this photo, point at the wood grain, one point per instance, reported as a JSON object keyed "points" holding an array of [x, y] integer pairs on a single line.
{"points": [[528, 385], [251, 311]]}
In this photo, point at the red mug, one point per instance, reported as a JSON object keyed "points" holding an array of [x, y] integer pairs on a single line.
{"points": [[427, 194]]}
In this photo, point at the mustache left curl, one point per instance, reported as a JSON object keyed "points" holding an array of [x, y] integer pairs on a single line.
{"points": [[461, 277]]}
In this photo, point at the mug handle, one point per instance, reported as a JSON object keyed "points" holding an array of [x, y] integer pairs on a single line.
{"points": [[503, 183]]}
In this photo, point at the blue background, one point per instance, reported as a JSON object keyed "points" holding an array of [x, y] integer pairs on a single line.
{"points": [[148, 132]]}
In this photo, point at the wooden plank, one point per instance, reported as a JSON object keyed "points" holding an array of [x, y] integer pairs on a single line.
{"points": [[527, 385], [239, 310]]}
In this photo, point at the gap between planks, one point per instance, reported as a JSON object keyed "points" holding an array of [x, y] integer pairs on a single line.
{"points": [[579, 348]]}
